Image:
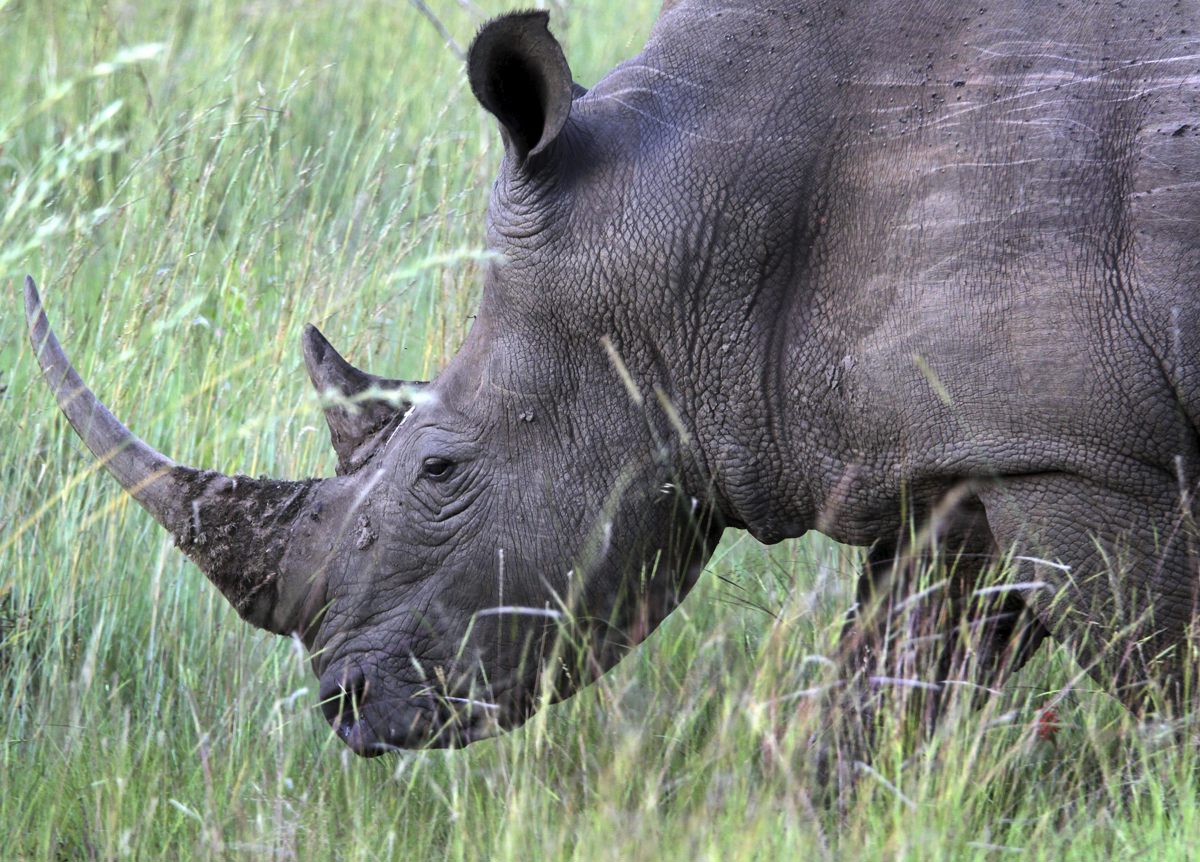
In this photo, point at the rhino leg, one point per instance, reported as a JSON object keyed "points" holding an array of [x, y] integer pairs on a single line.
{"points": [[933, 629], [920, 637], [1120, 575]]}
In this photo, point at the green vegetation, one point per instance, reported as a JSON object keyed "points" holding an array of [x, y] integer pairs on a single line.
{"points": [[190, 184]]}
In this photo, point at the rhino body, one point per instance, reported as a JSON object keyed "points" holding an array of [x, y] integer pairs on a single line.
{"points": [[795, 266]]}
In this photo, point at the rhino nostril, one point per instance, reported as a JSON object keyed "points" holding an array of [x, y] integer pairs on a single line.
{"points": [[343, 695]]}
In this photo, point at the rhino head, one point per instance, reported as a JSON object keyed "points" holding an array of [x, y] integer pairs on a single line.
{"points": [[498, 537]]}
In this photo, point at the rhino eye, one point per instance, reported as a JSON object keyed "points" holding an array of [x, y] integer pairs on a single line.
{"points": [[436, 468]]}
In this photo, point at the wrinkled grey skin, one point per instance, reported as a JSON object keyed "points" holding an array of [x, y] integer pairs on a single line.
{"points": [[859, 264]]}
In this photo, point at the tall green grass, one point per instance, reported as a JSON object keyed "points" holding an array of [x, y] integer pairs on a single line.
{"points": [[191, 184]]}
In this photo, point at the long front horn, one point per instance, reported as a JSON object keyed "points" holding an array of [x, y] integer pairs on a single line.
{"points": [[251, 537]]}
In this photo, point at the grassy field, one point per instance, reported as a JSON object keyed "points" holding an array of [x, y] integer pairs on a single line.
{"points": [[191, 185]]}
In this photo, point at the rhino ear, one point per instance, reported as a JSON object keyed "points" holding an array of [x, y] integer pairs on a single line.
{"points": [[360, 404], [519, 74]]}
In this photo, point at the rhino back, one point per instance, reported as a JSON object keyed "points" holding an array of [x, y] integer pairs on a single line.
{"points": [[944, 241]]}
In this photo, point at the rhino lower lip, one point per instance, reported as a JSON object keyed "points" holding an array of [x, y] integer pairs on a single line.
{"points": [[420, 730]]}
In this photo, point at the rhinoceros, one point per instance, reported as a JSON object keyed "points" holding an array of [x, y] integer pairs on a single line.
{"points": [[793, 267]]}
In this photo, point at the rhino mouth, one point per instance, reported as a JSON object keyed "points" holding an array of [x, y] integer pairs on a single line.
{"points": [[423, 722], [407, 728], [407, 725]]}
